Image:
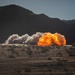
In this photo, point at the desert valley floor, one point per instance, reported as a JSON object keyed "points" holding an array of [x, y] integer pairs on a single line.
{"points": [[22, 59]]}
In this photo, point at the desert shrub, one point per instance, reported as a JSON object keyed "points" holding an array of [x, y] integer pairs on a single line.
{"points": [[27, 69], [49, 58], [59, 54], [59, 60], [2, 53], [71, 52], [58, 47], [37, 47], [44, 50], [29, 52], [72, 48], [17, 53], [11, 56]]}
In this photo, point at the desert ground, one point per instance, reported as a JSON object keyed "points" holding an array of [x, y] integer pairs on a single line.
{"points": [[23, 59]]}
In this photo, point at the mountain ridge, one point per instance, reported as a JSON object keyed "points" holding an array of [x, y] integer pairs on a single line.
{"points": [[18, 20]]}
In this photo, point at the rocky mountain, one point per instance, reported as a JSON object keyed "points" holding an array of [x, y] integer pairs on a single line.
{"points": [[18, 20]]}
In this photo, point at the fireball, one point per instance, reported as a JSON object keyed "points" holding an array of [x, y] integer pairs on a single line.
{"points": [[49, 39]]}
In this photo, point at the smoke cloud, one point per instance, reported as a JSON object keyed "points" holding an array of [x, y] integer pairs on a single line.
{"points": [[40, 39], [24, 39]]}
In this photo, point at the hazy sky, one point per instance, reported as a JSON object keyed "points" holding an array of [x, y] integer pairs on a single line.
{"points": [[63, 9]]}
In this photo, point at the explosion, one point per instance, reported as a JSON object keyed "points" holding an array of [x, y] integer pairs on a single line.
{"points": [[40, 39], [49, 39]]}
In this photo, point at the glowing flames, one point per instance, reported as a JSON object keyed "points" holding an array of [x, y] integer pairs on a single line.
{"points": [[49, 39]]}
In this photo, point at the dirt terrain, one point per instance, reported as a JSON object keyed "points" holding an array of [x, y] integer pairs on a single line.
{"points": [[22, 59]]}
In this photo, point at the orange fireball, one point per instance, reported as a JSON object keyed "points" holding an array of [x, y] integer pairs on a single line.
{"points": [[49, 39], [59, 39], [45, 40]]}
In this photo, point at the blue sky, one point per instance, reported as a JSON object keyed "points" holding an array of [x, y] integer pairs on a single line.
{"points": [[63, 9]]}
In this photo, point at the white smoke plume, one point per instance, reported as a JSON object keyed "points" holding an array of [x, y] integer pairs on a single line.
{"points": [[11, 38], [24, 39]]}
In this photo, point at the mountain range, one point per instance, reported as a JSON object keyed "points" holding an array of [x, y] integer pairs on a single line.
{"points": [[15, 19]]}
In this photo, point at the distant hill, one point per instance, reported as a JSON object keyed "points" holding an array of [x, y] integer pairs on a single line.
{"points": [[70, 22], [18, 20]]}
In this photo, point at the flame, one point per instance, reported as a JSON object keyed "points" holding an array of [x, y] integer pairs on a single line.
{"points": [[49, 39]]}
